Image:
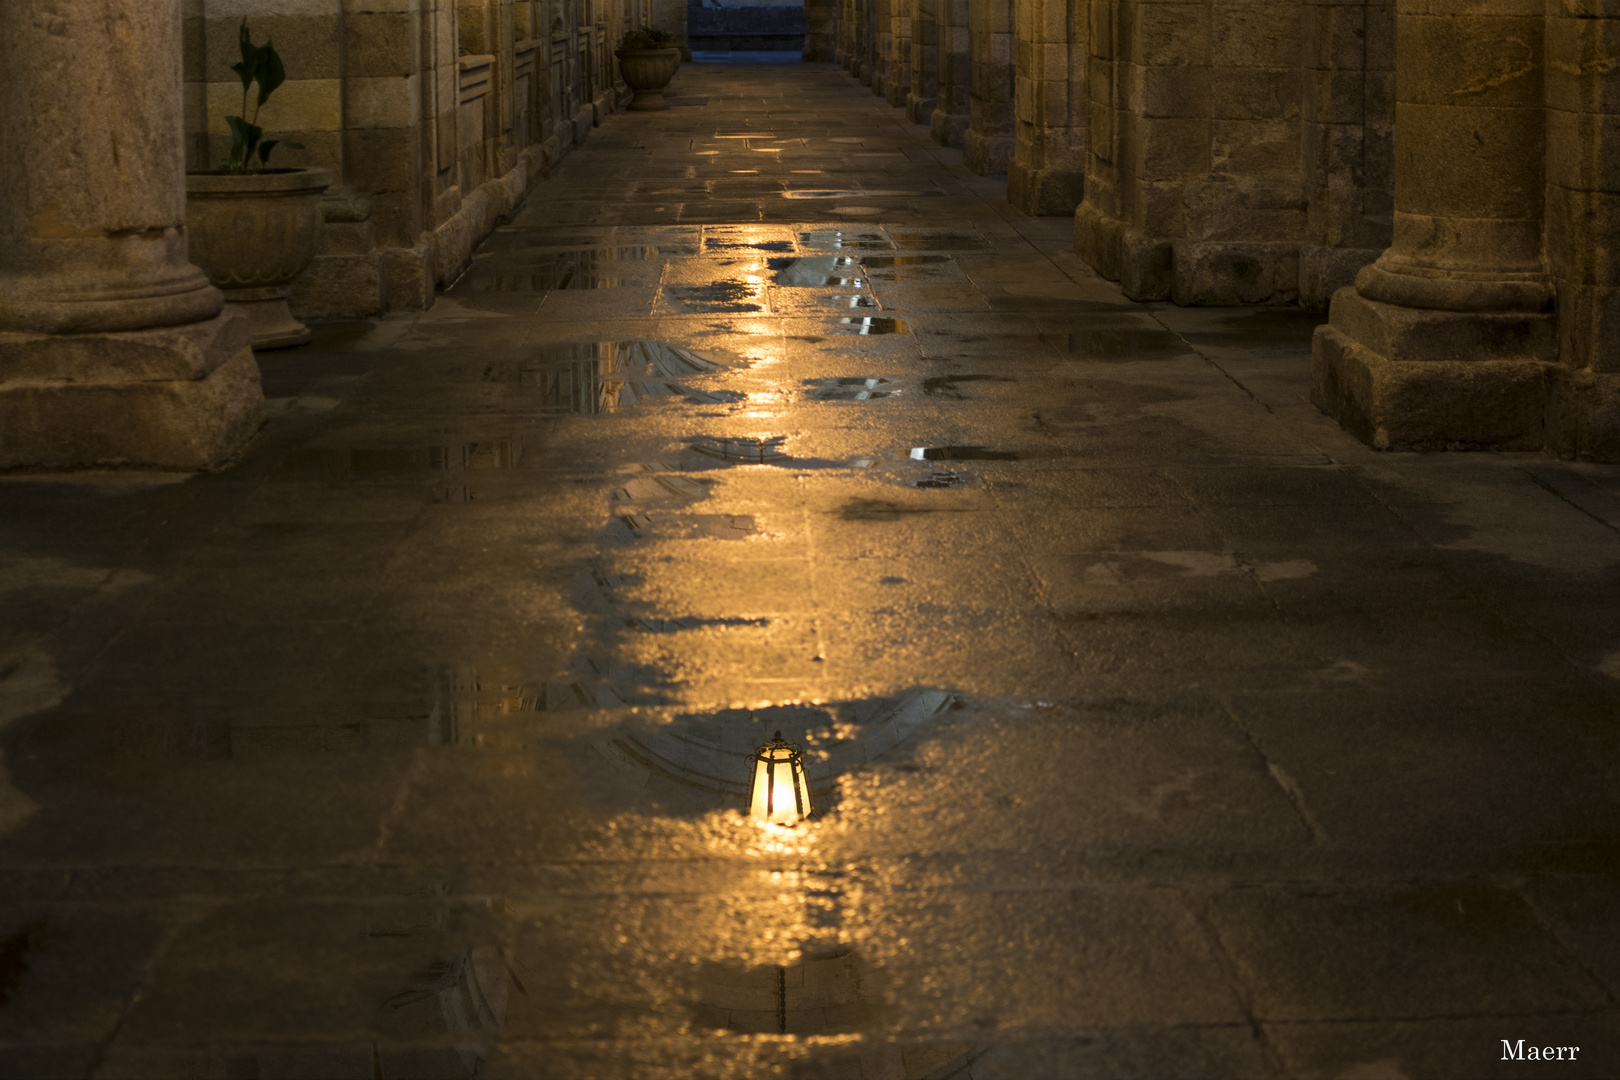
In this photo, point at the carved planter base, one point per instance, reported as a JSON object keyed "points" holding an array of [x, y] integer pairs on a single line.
{"points": [[647, 72], [252, 235]]}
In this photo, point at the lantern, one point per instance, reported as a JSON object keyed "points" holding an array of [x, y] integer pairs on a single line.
{"points": [[780, 793]]}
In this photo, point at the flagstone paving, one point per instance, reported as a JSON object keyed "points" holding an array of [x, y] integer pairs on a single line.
{"points": [[1155, 726]]}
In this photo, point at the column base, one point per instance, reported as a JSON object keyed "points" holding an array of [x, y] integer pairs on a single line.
{"points": [[986, 155], [1141, 264], [920, 110], [179, 397], [1233, 273], [1583, 416], [947, 128], [1044, 192], [269, 318], [1323, 271], [1414, 379]]}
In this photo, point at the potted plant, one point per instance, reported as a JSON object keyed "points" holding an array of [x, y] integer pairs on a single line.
{"points": [[648, 58], [253, 228]]}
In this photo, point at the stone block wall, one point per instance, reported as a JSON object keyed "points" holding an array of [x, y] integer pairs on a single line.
{"points": [[987, 144], [1195, 176], [433, 115], [1046, 173], [821, 31]]}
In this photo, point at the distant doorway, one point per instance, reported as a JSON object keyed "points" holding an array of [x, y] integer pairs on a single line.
{"points": [[745, 30]]}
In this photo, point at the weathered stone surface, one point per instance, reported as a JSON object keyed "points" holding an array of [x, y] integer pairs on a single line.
{"points": [[93, 216], [1429, 404], [253, 235], [1166, 730], [184, 397], [1227, 274]]}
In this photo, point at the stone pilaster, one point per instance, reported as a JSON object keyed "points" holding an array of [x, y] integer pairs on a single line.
{"points": [[922, 96], [1446, 341], [1583, 223], [899, 81], [987, 145], [114, 349], [952, 109], [821, 31], [882, 46], [1347, 117], [1047, 172], [849, 35]]}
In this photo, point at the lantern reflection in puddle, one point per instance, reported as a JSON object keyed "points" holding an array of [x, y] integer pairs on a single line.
{"points": [[779, 793]]}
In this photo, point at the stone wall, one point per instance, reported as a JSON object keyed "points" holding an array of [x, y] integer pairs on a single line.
{"points": [[1229, 152], [434, 115]]}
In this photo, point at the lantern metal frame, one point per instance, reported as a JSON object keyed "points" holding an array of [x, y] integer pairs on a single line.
{"points": [[775, 753]]}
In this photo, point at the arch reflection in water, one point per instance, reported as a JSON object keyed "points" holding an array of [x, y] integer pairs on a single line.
{"points": [[604, 376]]}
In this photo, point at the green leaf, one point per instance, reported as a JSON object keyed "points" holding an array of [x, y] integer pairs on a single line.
{"points": [[264, 150], [248, 69], [271, 73], [244, 138]]}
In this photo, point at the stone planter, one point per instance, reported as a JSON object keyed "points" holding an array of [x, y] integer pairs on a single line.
{"points": [[647, 72], [252, 235]]}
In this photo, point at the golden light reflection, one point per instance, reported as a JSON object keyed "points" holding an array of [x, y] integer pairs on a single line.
{"points": [[780, 791]]}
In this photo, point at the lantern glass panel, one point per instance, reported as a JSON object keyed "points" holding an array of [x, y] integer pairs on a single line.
{"points": [[781, 792]]}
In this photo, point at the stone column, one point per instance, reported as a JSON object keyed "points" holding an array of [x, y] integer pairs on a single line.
{"points": [[114, 349], [1347, 119], [987, 144], [1443, 343], [1583, 219], [821, 31], [1047, 172], [923, 94], [849, 23], [899, 82], [952, 108], [882, 46]]}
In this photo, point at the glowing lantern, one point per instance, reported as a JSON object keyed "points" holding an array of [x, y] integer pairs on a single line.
{"points": [[779, 794]]}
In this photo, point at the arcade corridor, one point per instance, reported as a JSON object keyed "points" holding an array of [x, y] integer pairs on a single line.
{"points": [[1155, 726]]}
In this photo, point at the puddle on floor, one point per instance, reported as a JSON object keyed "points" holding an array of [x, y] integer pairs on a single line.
{"points": [[943, 478], [339, 462], [714, 751], [946, 385], [818, 270], [588, 258], [544, 282], [829, 991], [627, 528], [834, 238], [962, 453], [675, 626], [830, 193], [747, 451], [732, 295], [870, 324], [856, 389], [715, 243], [885, 261], [593, 377], [944, 241]]}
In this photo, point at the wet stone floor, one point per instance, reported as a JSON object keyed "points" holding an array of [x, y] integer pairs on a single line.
{"points": [[1154, 727]]}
